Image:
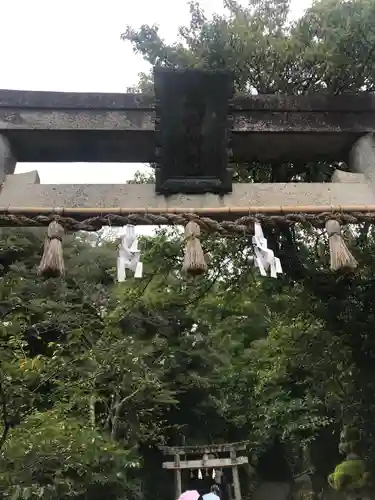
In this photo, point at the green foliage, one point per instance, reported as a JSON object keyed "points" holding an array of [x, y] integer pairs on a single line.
{"points": [[329, 49], [349, 475], [54, 456], [142, 178], [75, 392], [95, 375], [350, 441], [296, 357]]}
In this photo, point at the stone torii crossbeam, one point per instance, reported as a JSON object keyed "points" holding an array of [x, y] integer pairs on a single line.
{"points": [[76, 127]]}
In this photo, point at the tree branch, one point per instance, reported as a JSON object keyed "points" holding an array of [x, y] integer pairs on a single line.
{"points": [[118, 407]]}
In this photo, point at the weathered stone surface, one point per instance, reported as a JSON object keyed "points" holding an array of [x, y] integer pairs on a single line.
{"points": [[362, 158], [63, 127], [297, 146], [318, 102], [143, 120], [7, 159], [303, 121], [341, 176], [89, 100], [31, 99], [75, 120], [132, 196], [21, 181]]}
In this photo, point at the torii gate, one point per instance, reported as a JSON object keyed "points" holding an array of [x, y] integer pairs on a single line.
{"points": [[206, 457], [193, 129]]}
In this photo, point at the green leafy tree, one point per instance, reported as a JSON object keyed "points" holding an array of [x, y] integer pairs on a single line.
{"points": [[95, 375], [54, 456], [66, 366], [331, 50]]}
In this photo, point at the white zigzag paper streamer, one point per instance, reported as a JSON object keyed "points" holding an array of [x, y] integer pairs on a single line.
{"points": [[265, 259], [129, 255]]}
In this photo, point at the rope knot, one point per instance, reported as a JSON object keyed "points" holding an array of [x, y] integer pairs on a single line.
{"points": [[52, 262], [333, 228]]}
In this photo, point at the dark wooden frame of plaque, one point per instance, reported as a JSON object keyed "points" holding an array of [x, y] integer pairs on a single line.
{"points": [[193, 131]]}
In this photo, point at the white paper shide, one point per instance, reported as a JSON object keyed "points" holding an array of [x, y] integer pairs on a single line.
{"points": [[129, 255], [265, 259]]}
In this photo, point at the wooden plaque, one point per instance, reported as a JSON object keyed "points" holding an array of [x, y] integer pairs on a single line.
{"points": [[192, 126]]}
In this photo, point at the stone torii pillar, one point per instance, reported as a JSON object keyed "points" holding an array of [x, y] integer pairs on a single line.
{"points": [[362, 158], [7, 160]]}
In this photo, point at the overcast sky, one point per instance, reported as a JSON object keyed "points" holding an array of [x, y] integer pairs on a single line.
{"points": [[75, 46]]}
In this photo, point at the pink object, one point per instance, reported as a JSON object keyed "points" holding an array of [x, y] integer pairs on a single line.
{"points": [[189, 495]]}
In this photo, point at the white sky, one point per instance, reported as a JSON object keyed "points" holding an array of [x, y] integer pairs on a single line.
{"points": [[75, 46]]}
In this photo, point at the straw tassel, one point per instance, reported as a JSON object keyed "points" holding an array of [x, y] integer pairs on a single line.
{"points": [[340, 256], [194, 259], [52, 262]]}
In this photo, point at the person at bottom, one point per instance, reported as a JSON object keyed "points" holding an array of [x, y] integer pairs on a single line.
{"points": [[214, 493]]}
